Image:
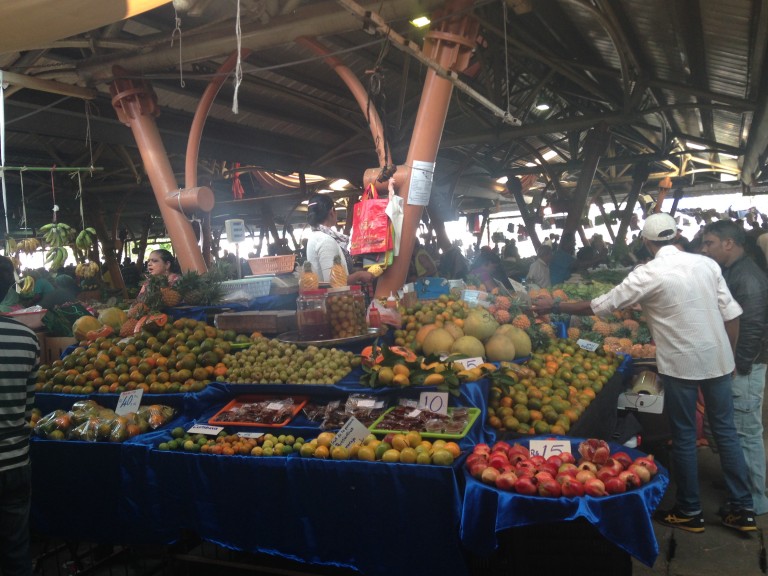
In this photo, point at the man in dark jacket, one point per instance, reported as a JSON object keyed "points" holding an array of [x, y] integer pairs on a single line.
{"points": [[724, 241]]}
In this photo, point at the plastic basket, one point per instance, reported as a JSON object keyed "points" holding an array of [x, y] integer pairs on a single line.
{"points": [[272, 264], [245, 289]]}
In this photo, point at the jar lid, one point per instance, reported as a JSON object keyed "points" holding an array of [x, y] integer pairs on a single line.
{"points": [[316, 292], [339, 289]]}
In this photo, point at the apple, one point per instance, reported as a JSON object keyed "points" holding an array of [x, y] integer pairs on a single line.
{"points": [[489, 476], [525, 485], [506, 481], [615, 485]]}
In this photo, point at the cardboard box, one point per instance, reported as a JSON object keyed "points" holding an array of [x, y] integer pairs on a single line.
{"points": [[651, 403], [54, 346]]}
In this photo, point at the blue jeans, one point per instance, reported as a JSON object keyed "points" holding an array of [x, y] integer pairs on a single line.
{"points": [[748, 417], [680, 398], [15, 488]]}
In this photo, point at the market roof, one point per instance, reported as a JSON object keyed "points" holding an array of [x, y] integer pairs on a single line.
{"points": [[681, 87]]}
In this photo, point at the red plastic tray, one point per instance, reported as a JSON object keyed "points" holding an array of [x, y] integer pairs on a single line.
{"points": [[298, 404]]}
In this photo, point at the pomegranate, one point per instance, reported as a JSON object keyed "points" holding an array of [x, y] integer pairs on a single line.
{"points": [[630, 479], [615, 485], [643, 473], [482, 448], [500, 446], [537, 460], [519, 449], [526, 465], [568, 468], [476, 469], [594, 487], [584, 475], [506, 481], [624, 458], [605, 473], [489, 476], [525, 485], [549, 487], [568, 458], [587, 465], [516, 457], [548, 467], [556, 460], [594, 450], [647, 462], [472, 458], [498, 460], [613, 463], [570, 487]]}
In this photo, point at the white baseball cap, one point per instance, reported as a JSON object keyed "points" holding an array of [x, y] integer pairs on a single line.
{"points": [[659, 227]]}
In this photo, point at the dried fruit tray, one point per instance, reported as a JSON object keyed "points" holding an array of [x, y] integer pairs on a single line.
{"points": [[472, 414], [264, 407]]}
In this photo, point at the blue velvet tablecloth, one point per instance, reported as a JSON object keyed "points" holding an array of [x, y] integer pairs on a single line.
{"points": [[624, 519]]}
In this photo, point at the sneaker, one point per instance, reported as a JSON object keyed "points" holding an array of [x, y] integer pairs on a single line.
{"points": [[678, 519], [741, 520]]}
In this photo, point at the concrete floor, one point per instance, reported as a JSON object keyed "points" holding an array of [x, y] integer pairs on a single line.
{"points": [[718, 550]]}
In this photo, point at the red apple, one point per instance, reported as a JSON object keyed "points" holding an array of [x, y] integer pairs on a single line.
{"points": [[506, 481]]}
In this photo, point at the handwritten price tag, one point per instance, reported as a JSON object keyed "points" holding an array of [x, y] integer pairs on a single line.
{"points": [[547, 448], [205, 429], [352, 431], [587, 345], [469, 363], [128, 402], [434, 402]]}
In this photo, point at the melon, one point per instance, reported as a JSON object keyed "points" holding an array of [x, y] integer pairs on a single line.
{"points": [[499, 348], [438, 341], [468, 346], [113, 317], [85, 324], [480, 324]]}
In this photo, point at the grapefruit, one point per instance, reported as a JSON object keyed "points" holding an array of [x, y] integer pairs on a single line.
{"points": [[113, 317], [499, 348], [480, 324], [468, 346], [85, 324], [438, 341]]}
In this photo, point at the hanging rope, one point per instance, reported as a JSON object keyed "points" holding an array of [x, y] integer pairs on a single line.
{"points": [[80, 196], [177, 32], [239, 67], [23, 200], [2, 151], [88, 141], [53, 193]]}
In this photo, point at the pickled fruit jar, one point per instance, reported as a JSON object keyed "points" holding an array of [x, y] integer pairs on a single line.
{"points": [[311, 316], [346, 312]]}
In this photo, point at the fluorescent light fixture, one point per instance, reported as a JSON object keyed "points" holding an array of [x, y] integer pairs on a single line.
{"points": [[729, 156], [549, 155], [339, 184], [695, 146], [543, 106], [324, 191], [420, 22], [502, 180], [531, 164], [725, 177]]}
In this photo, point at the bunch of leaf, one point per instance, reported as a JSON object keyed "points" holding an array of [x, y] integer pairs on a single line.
{"points": [[200, 289], [611, 276], [584, 290]]}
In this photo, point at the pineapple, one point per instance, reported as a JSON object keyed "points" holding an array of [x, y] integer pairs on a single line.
{"points": [[308, 280], [338, 274], [503, 303], [170, 296], [631, 325], [138, 310], [547, 329], [522, 321], [573, 333], [602, 328], [128, 327], [501, 316]]}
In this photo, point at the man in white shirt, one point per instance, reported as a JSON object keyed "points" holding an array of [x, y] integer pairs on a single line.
{"points": [[694, 321], [538, 273]]}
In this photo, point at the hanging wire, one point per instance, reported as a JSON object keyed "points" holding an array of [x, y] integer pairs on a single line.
{"points": [[2, 152], [88, 140], [506, 53], [177, 32], [239, 66], [79, 196], [53, 194], [23, 200]]}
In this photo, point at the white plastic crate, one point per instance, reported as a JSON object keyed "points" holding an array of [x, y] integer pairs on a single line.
{"points": [[245, 289]]}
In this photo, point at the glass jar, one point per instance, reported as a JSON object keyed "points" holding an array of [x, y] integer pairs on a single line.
{"points": [[311, 316], [346, 311]]}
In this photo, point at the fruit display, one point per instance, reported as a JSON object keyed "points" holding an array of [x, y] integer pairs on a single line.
{"points": [[550, 391], [225, 444], [333, 414], [597, 472], [180, 356], [91, 422], [426, 422], [258, 410], [408, 448], [270, 361], [400, 367]]}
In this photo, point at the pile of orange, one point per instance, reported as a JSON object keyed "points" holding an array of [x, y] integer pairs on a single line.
{"points": [[183, 357], [550, 391]]}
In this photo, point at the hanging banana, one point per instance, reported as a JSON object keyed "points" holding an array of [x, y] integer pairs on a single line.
{"points": [[86, 270], [57, 234], [28, 245], [26, 286], [56, 257], [85, 239]]}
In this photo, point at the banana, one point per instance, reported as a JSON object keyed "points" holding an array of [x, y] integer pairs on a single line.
{"points": [[57, 235], [26, 287], [85, 238]]}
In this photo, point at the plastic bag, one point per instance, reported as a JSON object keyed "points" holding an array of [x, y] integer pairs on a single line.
{"points": [[371, 227]]}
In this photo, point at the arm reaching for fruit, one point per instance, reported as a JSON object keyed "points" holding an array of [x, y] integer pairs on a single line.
{"points": [[544, 305]]}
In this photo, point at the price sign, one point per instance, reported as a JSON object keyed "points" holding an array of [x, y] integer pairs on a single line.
{"points": [[413, 413], [250, 434], [205, 429], [471, 362], [549, 447], [587, 345], [128, 402], [352, 431], [434, 402], [408, 402], [235, 230], [366, 403]]}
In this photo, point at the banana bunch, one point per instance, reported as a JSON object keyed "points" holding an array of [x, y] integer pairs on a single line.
{"points": [[86, 270], [56, 257], [26, 287], [27, 245], [57, 234], [85, 239]]}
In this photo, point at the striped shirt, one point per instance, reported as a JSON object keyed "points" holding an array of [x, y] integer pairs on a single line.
{"points": [[19, 356], [685, 301]]}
